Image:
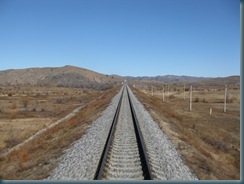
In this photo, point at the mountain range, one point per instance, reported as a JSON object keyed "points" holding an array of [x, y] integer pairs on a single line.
{"points": [[72, 76]]}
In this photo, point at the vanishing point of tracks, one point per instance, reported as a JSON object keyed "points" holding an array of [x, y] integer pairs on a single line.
{"points": [[124, 154]]}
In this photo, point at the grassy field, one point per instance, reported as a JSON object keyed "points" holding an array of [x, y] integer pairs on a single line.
{"points": [[26, 109], [209, 143], [36, 159]]}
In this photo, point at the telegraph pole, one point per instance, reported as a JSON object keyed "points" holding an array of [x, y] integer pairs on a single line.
{"points": [[191, 98], [225, 98], [168, 90], [163, 93], [184, 91]]}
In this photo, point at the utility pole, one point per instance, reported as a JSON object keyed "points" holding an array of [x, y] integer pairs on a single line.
{"points": [[225, 98], [191, 98], [152, 89], [163, 93], [184, 91], [168, 90]]}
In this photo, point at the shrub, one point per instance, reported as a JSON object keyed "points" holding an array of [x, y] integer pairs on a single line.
{"points": [[25, 157], [72, 122], [25, 101], [230, 99], [72, 98], [60, 100], [197, 99], [205, 100], [218, 144], [10, 94], [13, 106], [11, 142], [38, 95]]}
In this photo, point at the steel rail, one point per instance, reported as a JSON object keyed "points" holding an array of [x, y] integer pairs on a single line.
{"points": [[144, 160], [143, 156], [104, 155]]}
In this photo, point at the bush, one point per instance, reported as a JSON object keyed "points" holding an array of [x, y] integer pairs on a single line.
{"points": [[10, 94], [25, 101], [205, 100], [230, 99], [25, 157], [218, 144], [197, 99], [60, 100], [11, 142], [13, 106]]}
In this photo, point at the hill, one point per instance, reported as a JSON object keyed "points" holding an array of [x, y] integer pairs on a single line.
{"points": [[219, 81], [72, 76], [167, 78], [67, 76], [181, 80]]}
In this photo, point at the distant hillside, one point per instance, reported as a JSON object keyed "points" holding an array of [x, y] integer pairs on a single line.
{"points": [[67, 76], [230, 81], [181, 80], [167, 78], [71, 76]]}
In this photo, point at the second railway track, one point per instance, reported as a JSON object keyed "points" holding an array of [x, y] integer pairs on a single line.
{"points": [[124, 154]]}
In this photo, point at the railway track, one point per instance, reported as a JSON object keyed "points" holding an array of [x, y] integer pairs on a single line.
{"points": [[123, 147], [124, 156]]}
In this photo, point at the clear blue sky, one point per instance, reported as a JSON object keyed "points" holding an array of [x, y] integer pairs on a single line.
{"points": [[124, 37]]}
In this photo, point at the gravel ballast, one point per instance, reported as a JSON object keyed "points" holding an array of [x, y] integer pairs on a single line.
{"points": [[165, 161], [80, 161], [123, 161]]}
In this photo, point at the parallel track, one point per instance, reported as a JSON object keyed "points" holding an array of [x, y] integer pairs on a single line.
{"points": [[124, 156]]}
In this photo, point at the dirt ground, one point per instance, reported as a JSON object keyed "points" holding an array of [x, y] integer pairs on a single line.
{"points": [[209, 143], [16, 130], [36, 159], [26, 109]]}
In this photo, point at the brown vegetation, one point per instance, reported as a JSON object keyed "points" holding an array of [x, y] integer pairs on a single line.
{"points": [[210, 144], [36, 159], [30, 108], [67, 76]]}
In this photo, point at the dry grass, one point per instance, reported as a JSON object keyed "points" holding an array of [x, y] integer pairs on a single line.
{"points": [[30, 108], [36, 159], [210, 144], [17, 130]]}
